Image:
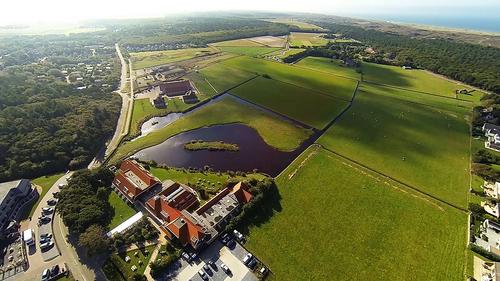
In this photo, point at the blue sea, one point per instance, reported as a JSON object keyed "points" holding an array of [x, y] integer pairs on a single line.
{"points": [[479, 19]]}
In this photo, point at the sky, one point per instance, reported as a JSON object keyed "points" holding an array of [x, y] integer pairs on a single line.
{"points": [[57, 11]]}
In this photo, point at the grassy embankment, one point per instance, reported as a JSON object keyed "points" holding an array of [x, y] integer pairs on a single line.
{"points": [[360, 225], [329, 66], [195, 145], [224, 111]]}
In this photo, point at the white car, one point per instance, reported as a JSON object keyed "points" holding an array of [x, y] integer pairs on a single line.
{"points": [[238, 235], [247, 258], [46, 274], [225, 268], [46, 245], [47, 210]]}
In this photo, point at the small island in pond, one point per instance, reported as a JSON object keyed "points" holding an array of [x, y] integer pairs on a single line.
{"points": [[210, 145]]}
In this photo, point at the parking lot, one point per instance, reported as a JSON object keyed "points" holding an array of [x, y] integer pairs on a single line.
{"points": [[218, 253], [14, 260]]}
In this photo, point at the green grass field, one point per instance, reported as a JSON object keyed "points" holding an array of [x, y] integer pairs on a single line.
{"points": [[45, 182], [224, 111], [283, 54], [155, 58], [299, 24], [335, 86], [329, 66], [347, 224], [221, 77], [248, 51], [424, 146], [304, 105], [417, 80], [121, 209], [299, 39], [238, 43]]}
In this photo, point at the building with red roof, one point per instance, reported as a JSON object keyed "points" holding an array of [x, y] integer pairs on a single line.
{"points": [[131, 180], [173, 208], [176, 88]]}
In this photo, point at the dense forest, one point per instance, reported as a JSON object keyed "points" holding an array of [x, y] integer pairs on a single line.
{"points": [[55, 112], [472, 64]]}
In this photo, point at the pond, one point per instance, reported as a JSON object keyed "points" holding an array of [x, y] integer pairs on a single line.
{"points": [[156, 123], [254, 152]]}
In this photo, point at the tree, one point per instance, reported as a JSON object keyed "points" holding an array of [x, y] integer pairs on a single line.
{"points": [[94, 240]]}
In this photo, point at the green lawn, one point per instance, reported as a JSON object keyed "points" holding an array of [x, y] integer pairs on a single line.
{"points": [[299, 24], [248, 51], [283, 54], [307, 106], [330, 66], [45, 182], [116, 266], [238, 43], [300, 39], [155, 58], [417, 80], [143, 110], [337, 222], [332, 85], [122, 211], [424, 146], [222, 77], [224, 111]]}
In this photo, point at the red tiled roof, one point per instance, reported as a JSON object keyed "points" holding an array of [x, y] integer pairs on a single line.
{"points": [[123, 183]]}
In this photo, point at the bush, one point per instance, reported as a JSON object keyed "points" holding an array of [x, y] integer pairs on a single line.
{"points": [[484, 253]]}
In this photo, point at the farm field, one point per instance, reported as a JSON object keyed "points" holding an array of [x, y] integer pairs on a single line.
{"points": [[249, 51], [238, 43], [304, 105], [155, 58], [408, 141], [330, 66], [225, 111], [417, 80], [299, 39], [351, 221], [335, 86], [222, 77], [121, 210]]}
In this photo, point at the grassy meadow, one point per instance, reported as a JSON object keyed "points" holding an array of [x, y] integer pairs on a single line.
{"points": [[304, 105], [329, 66], [348, 224], [325, 83], [300, 24], [248, 51], [285, 53], [424, 146], [155, 58], [414, 79], [224, 111], [238, 43], [222, 77], [300, 39]]}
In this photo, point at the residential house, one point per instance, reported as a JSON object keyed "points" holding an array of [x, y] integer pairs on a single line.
{"points": [[490, 237], [159, 102], [14, 195], [491, 208], [131, 180], [492, 189], [492, 133]]}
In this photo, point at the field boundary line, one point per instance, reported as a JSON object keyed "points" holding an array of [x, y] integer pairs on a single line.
{"points": [[349, 105], [321, 71], [314, 146], [415, 91], [416, 189]]}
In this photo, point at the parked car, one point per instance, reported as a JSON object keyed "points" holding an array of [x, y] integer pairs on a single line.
{"points": [[238, 235], [46, 274], [207, 269], [46, 245], [248, 257], [43, 220], [252, 263], [44, 240], [45, 235], [47, 210], [225, 268], [52, 202], [186, 256], [194, 256], [54, 270], [212, 264], [223, 237], [230, 243], [61, 185], [203, 275], [263, 271]]}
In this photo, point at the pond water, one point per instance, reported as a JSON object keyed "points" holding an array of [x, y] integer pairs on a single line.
{"points": [[156, 123], [254, 152]]}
